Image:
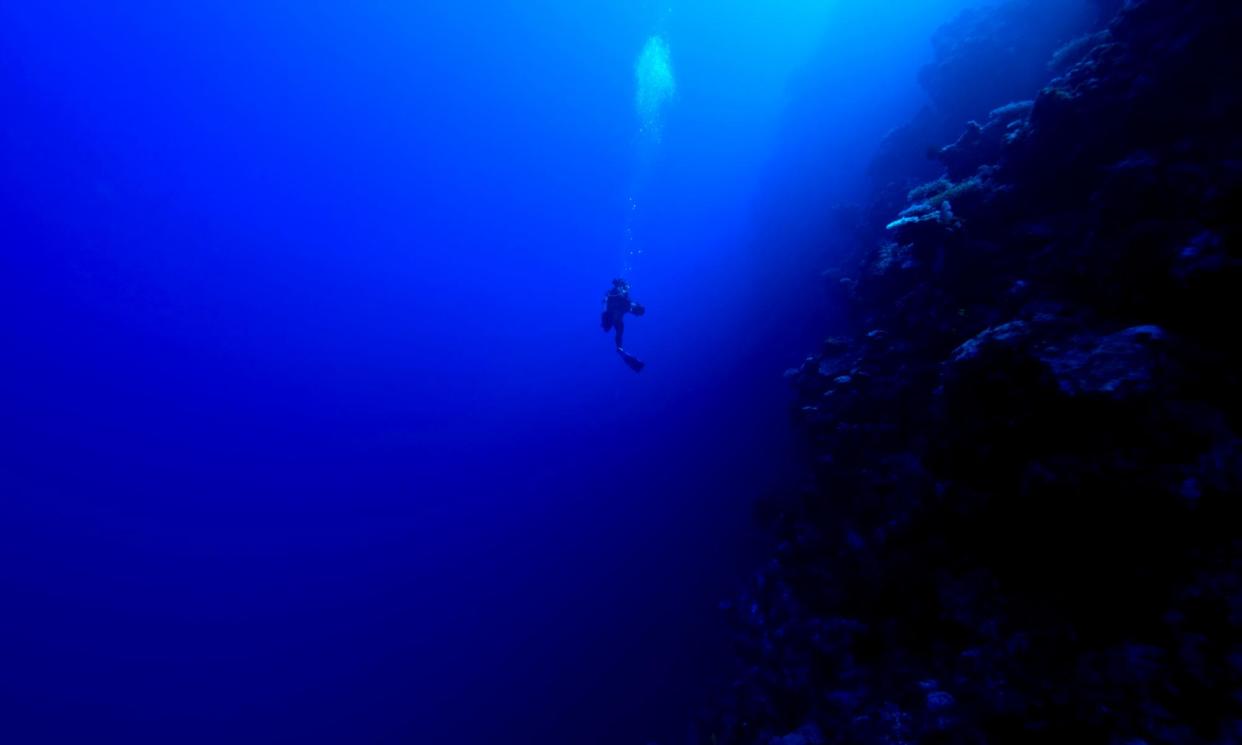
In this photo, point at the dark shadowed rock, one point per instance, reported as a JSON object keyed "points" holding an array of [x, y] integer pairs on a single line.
{"points": [[1025, 520]]}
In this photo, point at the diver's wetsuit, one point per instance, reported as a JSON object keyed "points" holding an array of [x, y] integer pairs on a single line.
{"points": [[616, 304]]}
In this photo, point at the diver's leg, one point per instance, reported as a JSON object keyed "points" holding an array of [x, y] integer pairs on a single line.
{"points": [[620, 325]]}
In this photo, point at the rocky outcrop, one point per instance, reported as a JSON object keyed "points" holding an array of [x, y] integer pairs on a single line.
{"points": [[991, 54], [985, 57], [1025, 523]]}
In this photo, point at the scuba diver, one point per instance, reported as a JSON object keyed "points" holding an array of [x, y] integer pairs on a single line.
{"points": [[616, 304]]}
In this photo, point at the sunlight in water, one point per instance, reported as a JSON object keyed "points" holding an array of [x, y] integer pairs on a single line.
{"points": [[656, 85]]}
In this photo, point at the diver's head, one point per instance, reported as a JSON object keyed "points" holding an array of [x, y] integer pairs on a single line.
{"points": [[620, 284]]}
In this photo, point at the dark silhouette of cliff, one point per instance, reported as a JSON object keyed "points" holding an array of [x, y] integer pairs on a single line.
{"points": [[1025, 518]]}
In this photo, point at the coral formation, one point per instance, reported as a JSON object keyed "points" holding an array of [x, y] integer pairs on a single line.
{"points": [[983, 58], [1024, 520]]}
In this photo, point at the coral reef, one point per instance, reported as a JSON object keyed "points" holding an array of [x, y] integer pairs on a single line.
{"points": [[1024, 524], [985, 57]]}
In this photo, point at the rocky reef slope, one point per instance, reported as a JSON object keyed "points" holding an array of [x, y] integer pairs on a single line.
{"points": [[1025, 523]]}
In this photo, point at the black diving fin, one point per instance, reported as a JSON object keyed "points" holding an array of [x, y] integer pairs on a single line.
{"points": [[635, 364]]}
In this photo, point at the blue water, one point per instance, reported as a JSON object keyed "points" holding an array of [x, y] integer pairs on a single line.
{"points": [[311, 434]]}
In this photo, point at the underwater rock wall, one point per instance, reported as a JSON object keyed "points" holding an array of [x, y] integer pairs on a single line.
{"points": [[985, 57], [1025, 524]]}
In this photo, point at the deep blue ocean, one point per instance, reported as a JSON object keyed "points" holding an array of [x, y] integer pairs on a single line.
{"points": [[310, 433]]}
